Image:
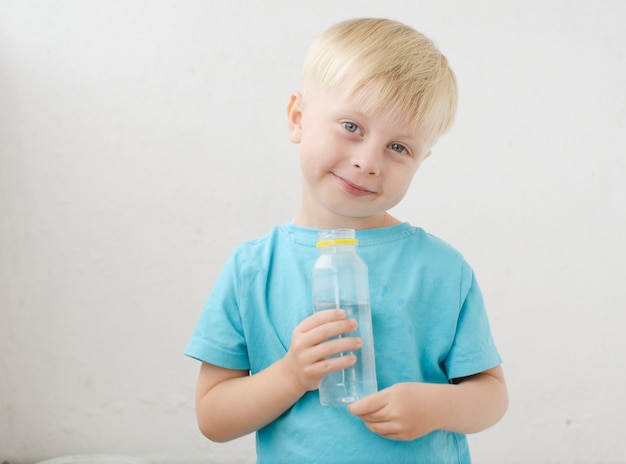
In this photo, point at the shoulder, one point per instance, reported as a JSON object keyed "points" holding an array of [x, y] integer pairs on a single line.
{"points": [[256, 254], [420, 242], [440, 254], [441, 247], [258, 246], [433, 241]]}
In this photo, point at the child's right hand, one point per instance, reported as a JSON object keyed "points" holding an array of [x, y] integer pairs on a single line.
{"points": [[230, 403], [306, 359]]}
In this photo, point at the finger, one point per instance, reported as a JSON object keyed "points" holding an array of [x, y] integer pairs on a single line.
{"points": [[368, 406], [379, 428], [321, 317], [326, 366], [389, 430], [337, 346], [329, 330], [322, 341], [327, 350], [317, 370], [383, 432]]}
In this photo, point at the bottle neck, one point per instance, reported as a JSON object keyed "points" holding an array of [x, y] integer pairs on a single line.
{"points": [[336, 241]]}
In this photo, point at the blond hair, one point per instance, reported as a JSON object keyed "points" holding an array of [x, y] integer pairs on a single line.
{"points": [[407, 72]]}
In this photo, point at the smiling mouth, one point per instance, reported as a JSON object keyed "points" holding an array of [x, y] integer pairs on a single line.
{"points": [[351, 188]]}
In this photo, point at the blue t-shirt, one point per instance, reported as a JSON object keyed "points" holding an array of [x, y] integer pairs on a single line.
{"points": [[429, 325]]}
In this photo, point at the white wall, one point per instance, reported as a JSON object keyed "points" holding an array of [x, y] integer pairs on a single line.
{"points": [[141, 141]]}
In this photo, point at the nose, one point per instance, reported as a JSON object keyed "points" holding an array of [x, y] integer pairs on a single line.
{"points": [[367, 160]]}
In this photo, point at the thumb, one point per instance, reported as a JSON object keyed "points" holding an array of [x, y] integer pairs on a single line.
{"points": [[365, 405]]}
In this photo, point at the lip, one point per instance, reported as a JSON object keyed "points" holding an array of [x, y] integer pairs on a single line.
{"points": [[351, 188]]}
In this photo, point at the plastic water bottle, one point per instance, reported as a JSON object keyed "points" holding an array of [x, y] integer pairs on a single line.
{"points": [[340, 281]]}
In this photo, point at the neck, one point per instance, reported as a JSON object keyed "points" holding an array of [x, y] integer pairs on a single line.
{"points": [[304, 219]]}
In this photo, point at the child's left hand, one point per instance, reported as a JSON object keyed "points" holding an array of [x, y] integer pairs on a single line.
{"points": [[404, 411]]}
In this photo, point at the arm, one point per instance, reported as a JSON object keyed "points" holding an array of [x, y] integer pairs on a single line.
{"points": [[406, 411], [230, 403]]}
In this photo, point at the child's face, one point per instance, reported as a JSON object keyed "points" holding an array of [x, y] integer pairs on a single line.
{"points": [[355, 166]]}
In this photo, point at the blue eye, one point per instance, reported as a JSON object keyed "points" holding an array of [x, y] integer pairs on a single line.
{"points": [[399, 148], [351, 127]]}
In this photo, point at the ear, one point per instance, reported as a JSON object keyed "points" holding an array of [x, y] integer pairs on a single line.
{"points": [[294, 117]]}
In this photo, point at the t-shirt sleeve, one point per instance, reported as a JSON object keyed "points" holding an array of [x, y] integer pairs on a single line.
{"points": [[219, 337], [473, 349]]}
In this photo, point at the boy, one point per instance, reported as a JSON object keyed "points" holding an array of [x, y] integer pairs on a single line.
{"points": [[376, 96]]}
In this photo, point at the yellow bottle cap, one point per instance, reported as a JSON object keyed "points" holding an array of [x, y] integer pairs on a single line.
{"points": [[341, 241]]}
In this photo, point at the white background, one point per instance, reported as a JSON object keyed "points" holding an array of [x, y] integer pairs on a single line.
{"points": [[141, 141]]}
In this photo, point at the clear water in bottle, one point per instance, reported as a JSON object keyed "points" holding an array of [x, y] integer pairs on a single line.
{"points": [[340, 281], [359, 380]]}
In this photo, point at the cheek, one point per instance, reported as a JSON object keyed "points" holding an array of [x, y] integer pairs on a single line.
{"points": [[315, 151], [401, 184], [312, 139], [310, 162]]}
